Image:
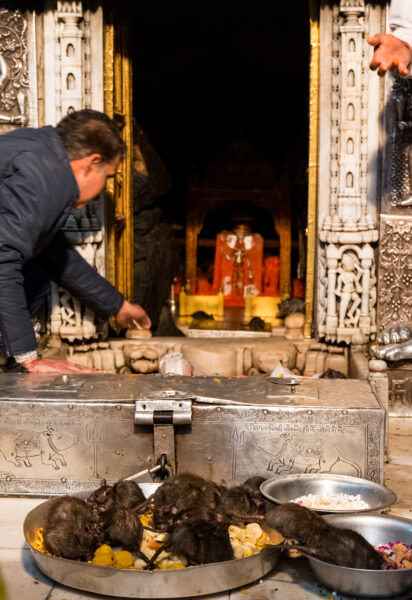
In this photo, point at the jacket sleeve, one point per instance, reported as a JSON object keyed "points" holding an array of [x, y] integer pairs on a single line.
{"points": [[69, 270], [19, 216]]}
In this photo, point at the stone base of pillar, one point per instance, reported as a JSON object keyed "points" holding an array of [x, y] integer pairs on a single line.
{"points": [[345, 334]]}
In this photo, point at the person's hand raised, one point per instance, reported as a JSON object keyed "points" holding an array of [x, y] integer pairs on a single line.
{"points": [[391, 54]]}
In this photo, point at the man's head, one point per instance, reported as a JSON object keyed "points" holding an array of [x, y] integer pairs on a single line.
{"points": [[94, 146]]}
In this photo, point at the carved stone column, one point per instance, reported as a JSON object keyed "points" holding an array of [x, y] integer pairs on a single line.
{"points": [[347, 227], [71, 39], [73, 64]]}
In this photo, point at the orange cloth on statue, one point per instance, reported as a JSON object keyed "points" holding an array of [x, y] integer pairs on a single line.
{"points": [[204, 287], [271, 276], [237, 258]]}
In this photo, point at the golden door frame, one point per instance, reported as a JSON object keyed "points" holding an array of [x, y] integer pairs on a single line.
{"points": [[313, 160], [118, 105], [118, 95]]}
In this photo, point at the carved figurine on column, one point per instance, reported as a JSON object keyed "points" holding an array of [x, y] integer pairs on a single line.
{"points": [[348, 289]]}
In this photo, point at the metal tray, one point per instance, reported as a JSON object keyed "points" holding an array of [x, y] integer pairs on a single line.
{"points": [[377, 529], [127, 583], [288, 487]]}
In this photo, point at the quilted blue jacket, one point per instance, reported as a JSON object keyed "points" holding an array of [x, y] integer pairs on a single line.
{"points": [[37, 190]]}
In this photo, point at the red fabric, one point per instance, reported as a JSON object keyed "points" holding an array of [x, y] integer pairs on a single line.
{"points": [[235, 275]]}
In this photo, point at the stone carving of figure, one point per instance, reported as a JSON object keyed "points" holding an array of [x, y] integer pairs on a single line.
{"points": [[238, 263], [348, 288]]}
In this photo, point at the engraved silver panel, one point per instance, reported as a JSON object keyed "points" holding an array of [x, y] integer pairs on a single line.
{"points": [[400, 391], [63, 434]]}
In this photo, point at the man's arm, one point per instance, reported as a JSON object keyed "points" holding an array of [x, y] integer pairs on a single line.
{"points": [[69, 270]]}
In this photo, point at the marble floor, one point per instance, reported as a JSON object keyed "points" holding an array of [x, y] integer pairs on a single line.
{"points": [[290, 579]]}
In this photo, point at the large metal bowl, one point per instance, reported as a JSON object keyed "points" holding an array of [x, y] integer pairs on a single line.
{"points": [[288, 487], [377, 529], [126, 583]]}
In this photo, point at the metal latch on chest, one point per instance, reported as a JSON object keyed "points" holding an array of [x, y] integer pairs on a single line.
{"points": [[164, 411]]}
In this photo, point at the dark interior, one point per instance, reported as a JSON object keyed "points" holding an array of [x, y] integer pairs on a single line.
{"points": [[210, 75]]}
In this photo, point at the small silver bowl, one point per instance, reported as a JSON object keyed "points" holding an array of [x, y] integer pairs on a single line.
{"points": [[376, 529], [288, 487]]}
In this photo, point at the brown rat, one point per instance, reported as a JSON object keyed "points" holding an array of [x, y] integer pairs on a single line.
{"points": [[181, 493], [343, 547], [71, 529], [127, 494], [243, 503], [123, 528], [200, 542]]}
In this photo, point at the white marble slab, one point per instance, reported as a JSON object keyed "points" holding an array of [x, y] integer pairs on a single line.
{"points": [[12, 514], [22, 579]]}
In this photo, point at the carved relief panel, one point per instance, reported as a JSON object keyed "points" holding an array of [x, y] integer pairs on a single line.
{"points": [[18, 84]]}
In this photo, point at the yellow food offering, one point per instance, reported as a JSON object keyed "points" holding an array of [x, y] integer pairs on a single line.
{"points": [[249, 540], [38, 542], [146, 519], [103, 556], [123, 560]]}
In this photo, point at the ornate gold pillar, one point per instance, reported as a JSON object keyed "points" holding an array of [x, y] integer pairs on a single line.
{"points": [[119, 198], [313, 162]]}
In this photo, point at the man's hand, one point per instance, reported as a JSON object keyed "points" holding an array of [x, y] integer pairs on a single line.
{"points": [[129, 313], [52, 365], [391, 54]]}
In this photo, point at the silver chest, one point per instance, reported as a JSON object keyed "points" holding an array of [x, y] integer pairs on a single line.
{"points": [[61, 434]]}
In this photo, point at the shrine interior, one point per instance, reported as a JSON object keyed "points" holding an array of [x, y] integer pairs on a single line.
{"points": [[222, 95]]}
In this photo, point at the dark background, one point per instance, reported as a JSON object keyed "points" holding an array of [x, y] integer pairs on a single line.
{"points": [[208, 73]]}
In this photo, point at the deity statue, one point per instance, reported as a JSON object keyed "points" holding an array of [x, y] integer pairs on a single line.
{"points": [[348, 288], [238, 263]]}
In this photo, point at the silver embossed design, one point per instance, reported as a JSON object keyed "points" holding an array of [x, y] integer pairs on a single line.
{"points": [[13, 67], [395, 271]]}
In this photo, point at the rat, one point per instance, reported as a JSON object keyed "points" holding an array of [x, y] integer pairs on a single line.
{"points": [[123, 528], [71, 529], [200, 542], [101, 499], [343, 547], [243, 503], [180, 493], [200, 534], [127, 494]]}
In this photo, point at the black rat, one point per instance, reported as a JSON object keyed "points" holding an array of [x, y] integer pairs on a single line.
{"points": [[243, 503], [181, 493], [72, 530], [200, 534], [343, 547]]}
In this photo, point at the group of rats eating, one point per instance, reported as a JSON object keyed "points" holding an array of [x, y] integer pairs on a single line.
{"points": [[195, 515]]}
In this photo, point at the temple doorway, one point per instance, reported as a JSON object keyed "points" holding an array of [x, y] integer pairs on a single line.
{"points": [[221, 89]]}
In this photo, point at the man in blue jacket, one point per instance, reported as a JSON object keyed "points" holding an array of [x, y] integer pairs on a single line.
{"points": [[44, 173]]}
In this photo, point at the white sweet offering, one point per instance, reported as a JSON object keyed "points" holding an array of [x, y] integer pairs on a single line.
{"points": [[332, 501]]}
